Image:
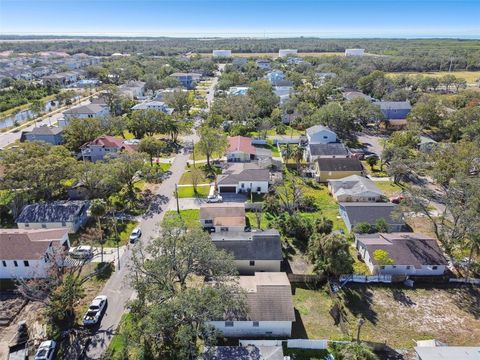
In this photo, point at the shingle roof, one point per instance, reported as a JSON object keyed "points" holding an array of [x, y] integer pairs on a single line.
{"points": [[110, 142], [354, 185], [85, 109], [317, 128], [350, 95], [46, 130], [396, 105], [405, 248], [241, 143], [330, 149], [59, 211], [370, 213], [27, 244], [269, 297], [243, 172], [248, 352], [265, 245], [339, 164]]}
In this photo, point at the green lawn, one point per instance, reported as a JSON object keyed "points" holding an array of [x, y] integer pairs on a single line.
{"points": [[124, 230], [375, 171], [273, 148], [200, 156], [186, 178], [164, 166], [252, 219], [191, 216], [116, 349], [272, 132], [188, 191], [389, 188]]}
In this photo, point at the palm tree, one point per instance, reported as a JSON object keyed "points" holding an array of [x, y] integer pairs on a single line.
{"points": [[297, 154], [98, 208], [356, 351]]}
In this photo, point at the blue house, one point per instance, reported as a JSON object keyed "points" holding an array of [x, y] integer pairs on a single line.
{"points": [[49, 134], [394, 110], [187, 80], [275, 76]]}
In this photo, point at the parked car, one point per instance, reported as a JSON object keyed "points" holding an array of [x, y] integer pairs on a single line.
{"points": [[46, 350], [135, 235], [214, 199], [95, 310], [396, 199], [81, 252]]}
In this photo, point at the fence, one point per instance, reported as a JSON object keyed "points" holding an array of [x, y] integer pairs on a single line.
{"points": [[260, 342], [366, 279], [259, 141], [306, 278], [472, 281], [307, 344]]}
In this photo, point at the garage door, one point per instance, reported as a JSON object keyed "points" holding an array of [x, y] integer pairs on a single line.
{"points": [[228, 189]]}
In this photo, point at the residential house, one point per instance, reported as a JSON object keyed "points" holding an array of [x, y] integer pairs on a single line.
{"points": [[270, 308], [223, 217], [411, 254], [70, 215], [105, 146], [355, 189], [350, 95], [322, 77], [263, 64], [354, 213], [83, 112], [330, 150], [62, 78], [27, 254], [336, 168], [436, 350], [187, 80], [354, 52], [133, 89], [426, 144], [287, 52], [49, 134], [238, 90], [243, 352], [239, 61], [243, 177], [283, 92], [240, 149], [275, 76], [395, 112], [320, 134], [222, 53], [259, 251], [156, 105]]}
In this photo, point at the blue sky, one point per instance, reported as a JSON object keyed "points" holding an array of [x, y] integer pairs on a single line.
{"points": [[333, 18]]}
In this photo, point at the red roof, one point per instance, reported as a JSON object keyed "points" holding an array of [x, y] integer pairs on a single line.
{"points": [[241, 143], [111, 142]]}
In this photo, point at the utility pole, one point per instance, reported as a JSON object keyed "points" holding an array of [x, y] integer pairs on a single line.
{"points": [[361, 321], [193, 152], [176, 195]]}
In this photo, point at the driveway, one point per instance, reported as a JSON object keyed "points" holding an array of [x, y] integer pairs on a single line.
{"points": [[373, 143]]}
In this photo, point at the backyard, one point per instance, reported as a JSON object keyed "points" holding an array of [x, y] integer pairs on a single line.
{"points": [[394, 314]]}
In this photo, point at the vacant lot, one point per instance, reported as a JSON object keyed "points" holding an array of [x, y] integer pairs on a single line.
{"points": [[394, 315]]}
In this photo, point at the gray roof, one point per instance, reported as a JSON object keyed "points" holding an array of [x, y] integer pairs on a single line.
{"points": [[354, 185], [243, 172], [265, 245], [448, 352], [350, 95], [85, 109], [330, 149], [45, 130], [248, 352], [370, 213], [396, 105], [48, 212], [339, 164], [317, 128]]}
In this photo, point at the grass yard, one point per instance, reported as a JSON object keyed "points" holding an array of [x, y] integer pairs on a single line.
{"points": [[375, 170], [190, 216], [200, 156], [252, 219], [290, 131], [186, 178], [394, 314], [188, 191], [469, 76], [273, 148], [124, 229], [116, 348], [164, 166], [389, 188]]}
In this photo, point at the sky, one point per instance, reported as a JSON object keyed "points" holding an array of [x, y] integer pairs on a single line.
{"points": [[235, 18]]}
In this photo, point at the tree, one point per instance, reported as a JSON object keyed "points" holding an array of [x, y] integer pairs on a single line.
{"points": [[382, 257], [182, 101], [362, 228], [146, 122], [261, 93], [353, 351], [329, 254], [81, 131], [196, 175], [381, 226], [426, 113], [37, 107], [98, 208], [173, 306], [372, 161], [127, 167], [363, 111], [337, 118], [151, 146], [212, 141]]}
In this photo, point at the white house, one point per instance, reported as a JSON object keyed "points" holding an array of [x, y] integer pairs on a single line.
{"points": [[243, 177], [223, 217], [320, 134], [411, 253], [29, 253], [83, 112], [156, 105], [354, 52], [70, 215], [222, 53], [287, 52], [132, 89], [270, 308], [354, 188], [259, 251]]}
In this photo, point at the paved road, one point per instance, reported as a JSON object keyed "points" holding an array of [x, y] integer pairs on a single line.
{"points": [[372, 142], [10, 137]]}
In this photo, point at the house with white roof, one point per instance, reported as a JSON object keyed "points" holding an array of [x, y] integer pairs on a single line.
{"points": [[354, 188]]}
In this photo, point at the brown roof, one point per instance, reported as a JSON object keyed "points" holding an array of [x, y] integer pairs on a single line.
{"points": [[241, 143], [339, 164], [110, 142], [405, 248], [16, 244], [222, 210], [269, 297], [229, 221]]}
